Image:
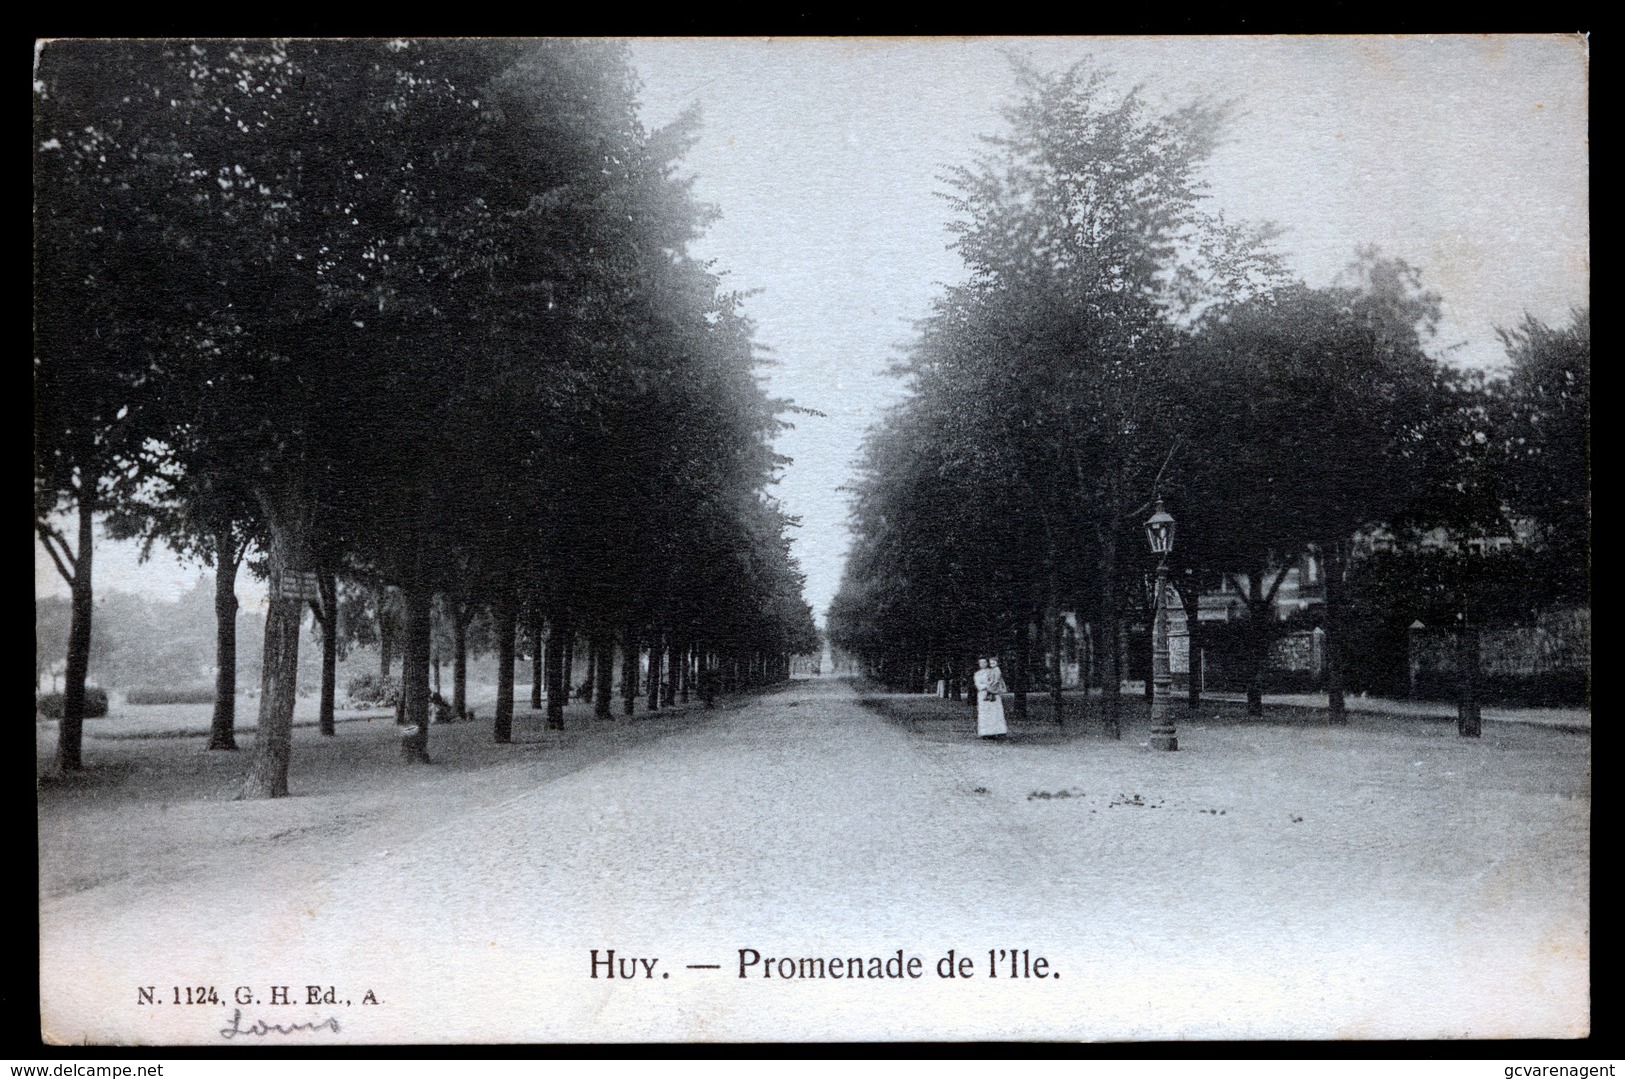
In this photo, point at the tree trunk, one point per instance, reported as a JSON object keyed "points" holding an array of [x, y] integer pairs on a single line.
{"points": [[1468, 720], [1111, 683], [569, 665], [386, 632], [673, 659], [654, 671], [223, 725], [629, 669], [1023, 657], [1120, 650], [604, 671], [329, 622], [1257, 649], [70, 733], [538, 660], [415, 671], [1087, 644], [279, 672], [1332, 640], [459, 664], [589, 684], [1057, 641], [1111, 689], [557, 634], [708, 676], [507, 625], [1255, 692], [688, 661]]}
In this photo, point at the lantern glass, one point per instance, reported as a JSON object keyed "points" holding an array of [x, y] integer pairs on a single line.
{"points": [[1160, 530]]}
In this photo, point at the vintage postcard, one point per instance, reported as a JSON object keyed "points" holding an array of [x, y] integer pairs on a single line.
{"points": [[812, 540]]}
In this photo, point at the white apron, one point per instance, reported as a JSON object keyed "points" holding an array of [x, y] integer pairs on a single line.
{"points": [[989, 714]]}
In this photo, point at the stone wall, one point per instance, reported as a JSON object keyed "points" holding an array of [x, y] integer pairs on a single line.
{"points": [[1294, 664], [1546, 663]]}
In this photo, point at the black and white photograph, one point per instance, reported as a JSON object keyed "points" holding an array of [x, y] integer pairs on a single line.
{"points": [[608, 541]]}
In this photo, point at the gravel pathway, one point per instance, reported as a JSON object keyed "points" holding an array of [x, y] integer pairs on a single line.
{"points": [[1263, 882]]}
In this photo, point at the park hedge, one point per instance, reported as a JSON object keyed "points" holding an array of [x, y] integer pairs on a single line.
{"points": [[170, 695], [49, 705]]}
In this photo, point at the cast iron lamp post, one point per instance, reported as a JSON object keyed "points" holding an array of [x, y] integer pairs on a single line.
{"points": [[1160, 531]]}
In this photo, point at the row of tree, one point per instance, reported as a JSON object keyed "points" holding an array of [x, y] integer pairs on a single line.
{"points": [[415, 315], [1116, 342]]}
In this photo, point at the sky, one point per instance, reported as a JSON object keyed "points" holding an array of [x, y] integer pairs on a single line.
{"points": [[1465, 156]]}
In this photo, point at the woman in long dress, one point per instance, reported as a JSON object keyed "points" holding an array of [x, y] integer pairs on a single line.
{"points": [[989, 706]]}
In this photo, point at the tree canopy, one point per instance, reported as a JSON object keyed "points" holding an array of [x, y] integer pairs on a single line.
{"points": [[424, 310], [1115, 342]]}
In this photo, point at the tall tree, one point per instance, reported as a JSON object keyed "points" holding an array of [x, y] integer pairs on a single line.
{"points": [[1047, 374], [1545, 433], [1322, 416], [90, 360]]}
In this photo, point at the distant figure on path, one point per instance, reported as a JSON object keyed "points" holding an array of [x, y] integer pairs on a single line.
{"points": [[989, 708]]}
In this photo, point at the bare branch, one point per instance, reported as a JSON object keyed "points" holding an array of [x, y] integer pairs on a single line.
{"points": [[1156, 485], [47, 534], [1280, 575]]}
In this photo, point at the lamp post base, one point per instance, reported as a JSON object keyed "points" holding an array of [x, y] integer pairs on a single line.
{"points": [[1166, 740]]}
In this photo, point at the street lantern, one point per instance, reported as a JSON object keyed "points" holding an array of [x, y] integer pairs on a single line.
{"points": [[1159, 530]]}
